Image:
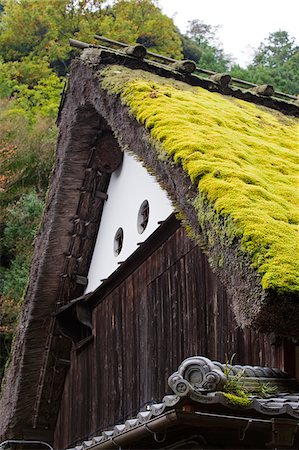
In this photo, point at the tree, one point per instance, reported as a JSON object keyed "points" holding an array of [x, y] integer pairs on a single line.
{"points": [[275, 62], [26, 157], [26, 151], [278, 48], [201, 44], [21, 226], [41, 28], [142, 21], [22, 222]]}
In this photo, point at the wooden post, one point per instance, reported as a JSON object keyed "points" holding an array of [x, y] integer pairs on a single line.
{"points": [[223, 79], [186, 66], [138, 51], [264, 89], [79, 44]]}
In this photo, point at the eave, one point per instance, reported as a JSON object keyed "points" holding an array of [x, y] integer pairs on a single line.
{"points": [[177, 426], [202, 404]]}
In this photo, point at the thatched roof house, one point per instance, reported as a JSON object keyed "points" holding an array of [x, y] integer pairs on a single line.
{"points": [[228, 159]]}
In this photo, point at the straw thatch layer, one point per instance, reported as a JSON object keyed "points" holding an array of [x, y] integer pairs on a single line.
{"points": [[63, 250]]}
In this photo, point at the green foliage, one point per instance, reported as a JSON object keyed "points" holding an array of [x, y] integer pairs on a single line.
{"points": [[237, 401], [265, 390], [39, 28], [233, 390], [22, 28], [191, 49], [278, 48], [14, 280], [243, 158], [22, 222], [7, 83], [235, 381], [42, 99], [28, 71], [142, 21], [201, 45], [275, 62], [5, 345], [26, 152], [33, 84], [26, 158]]}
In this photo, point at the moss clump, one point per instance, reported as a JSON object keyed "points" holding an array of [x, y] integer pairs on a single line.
{"points": [[237, 401], [243, 158]]}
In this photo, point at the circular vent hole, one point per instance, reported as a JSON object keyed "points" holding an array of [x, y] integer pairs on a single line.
{"points": [[143, 217], [118, 241]]}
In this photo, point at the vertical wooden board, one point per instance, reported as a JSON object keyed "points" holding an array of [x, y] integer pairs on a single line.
{"points": [[114, 396], [170, 308], [144, 345], [197, 295], [120, 356]]}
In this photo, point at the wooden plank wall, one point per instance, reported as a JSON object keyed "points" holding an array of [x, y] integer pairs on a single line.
{"points": [[170, 308]]}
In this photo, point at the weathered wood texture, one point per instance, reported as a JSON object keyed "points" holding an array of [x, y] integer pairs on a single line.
{"points": [[170, 308]]}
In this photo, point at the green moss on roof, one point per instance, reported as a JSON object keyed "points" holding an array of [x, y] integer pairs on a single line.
{"points": [[237, 401], [243, 157]]}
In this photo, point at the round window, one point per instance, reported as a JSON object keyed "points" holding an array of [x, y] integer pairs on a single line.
{"points": [[118, 241], [143, 217]]}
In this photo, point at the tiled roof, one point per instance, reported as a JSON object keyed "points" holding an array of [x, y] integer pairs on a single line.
{"points": [[197, 380], [142, 417]]}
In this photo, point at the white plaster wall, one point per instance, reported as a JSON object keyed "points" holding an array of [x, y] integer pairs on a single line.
{"points": [[129, 187]]}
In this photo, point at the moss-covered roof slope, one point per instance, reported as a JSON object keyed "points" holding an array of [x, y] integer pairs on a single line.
{"points": [[242, 157]]}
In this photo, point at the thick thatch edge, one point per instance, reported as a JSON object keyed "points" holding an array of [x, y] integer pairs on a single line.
{"points": [[26, 388], [24, 402]]}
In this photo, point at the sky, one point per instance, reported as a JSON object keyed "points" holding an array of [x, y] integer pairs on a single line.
{"points": [[244, 25]]}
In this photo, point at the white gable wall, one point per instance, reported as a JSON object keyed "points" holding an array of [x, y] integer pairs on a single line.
{"points": [[128, 188]]}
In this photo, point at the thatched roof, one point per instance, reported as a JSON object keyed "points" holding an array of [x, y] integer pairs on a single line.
{"points": [[243, 161], [205, 146]]}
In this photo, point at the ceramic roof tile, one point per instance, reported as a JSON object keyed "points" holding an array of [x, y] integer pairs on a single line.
{"points": [[144, 416], [276, 405], [119, 428]]}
